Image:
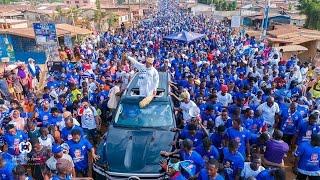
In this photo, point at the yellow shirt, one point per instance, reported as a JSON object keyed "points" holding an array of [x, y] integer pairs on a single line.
{"points": [[74, 94]]}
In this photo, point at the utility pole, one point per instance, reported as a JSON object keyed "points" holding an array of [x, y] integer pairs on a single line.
{"points": [[265, 19], [130, 19]]}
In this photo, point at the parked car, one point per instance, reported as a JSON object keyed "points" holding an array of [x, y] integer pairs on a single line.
{"points": [[131, 147]]}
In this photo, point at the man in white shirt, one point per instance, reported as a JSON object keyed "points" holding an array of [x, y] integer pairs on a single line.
{"points": [[223, 119], [114, 96], [270, 112], [57, 151], [90, 121], [185, 106], [224, 97], [252, 169], [148, 77]]}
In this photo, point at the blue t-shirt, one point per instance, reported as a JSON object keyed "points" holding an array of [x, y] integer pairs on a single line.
{"points": [[79, 153], [305, 131], [197, 138], [56, 177], [242, 137], [253, 125], [236, 161], [204, 175], [290, 122], [309, 163], [194, 157], [265, 175], [53, 120], [216, 140], [13, 141], [6, 171], [207, 117], [66, 132], [303, 110], [213, 152], [44, 116]]}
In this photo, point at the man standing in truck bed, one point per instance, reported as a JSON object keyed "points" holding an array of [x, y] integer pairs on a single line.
{"points": [[148, 77]]}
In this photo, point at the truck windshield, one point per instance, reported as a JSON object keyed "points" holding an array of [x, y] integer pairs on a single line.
{"points": [[155, 115]]}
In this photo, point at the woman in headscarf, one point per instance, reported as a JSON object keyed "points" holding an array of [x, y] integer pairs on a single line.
{"points": [[17, 120]]}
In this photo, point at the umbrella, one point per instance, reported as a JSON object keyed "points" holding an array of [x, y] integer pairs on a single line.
{"points": [[184, 36]]}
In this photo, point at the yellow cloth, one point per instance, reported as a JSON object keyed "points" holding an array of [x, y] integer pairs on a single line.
{"points": [[146, 101], [74, 94], [315, 90]]}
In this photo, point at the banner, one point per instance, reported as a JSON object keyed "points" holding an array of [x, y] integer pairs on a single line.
{"points": [[6, 48], [67, 41], [235, 21], [45, 33]]}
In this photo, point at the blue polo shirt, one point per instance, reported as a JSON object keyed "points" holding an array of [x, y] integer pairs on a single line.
{"points": [[194, 157], [242, 137], [213, 152], [236, 162], [308, 159], [79, 153], [204, 175]]}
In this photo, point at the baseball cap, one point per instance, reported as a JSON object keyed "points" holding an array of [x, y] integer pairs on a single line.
{"points": [[56, 148], [224, 88]]}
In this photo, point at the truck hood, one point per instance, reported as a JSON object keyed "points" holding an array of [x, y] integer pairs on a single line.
{"points": [[135, 151]]}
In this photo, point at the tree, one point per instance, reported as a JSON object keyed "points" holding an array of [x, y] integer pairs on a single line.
{"points": [[229, 8], [120, 1], [218, 6], [112, 19], [224, 5], [234, 5], [311, 8], [99, 15]]}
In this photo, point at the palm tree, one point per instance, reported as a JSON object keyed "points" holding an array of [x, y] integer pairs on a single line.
{"points": [[73, 13], [112, 19], [99, 15]]}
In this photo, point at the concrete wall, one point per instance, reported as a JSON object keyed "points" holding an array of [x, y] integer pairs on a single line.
{"points": [[20, 25], [312, 50]]}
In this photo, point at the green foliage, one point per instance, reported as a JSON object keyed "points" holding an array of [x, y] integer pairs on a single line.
{"points": [[221, 5], [121, 1], [311, 8]]}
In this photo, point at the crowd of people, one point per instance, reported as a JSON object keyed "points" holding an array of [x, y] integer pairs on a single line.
{"points": [[242, 110]]}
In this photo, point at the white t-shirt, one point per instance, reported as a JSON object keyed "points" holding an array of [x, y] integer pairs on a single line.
{"points": [[225, 100], [52, 161], [268, 113], [47, 142], [185, 109], [219, 121], [88, 120], [148, 78], [62, 124], [113, 98], [248, 172]]}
